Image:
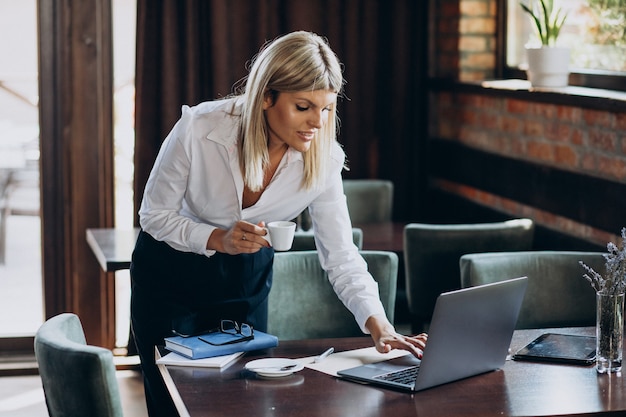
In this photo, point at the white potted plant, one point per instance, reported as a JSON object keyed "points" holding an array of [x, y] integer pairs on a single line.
{"points": [[548, 64]]}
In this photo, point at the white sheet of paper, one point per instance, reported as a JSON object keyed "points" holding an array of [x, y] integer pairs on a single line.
{"points": [[349, 359]]}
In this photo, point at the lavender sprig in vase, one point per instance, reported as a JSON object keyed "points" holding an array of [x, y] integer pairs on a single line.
{"points": [[610, 290]]}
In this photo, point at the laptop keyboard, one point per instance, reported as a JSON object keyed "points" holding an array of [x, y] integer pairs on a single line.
{"points": [[403, 376]]}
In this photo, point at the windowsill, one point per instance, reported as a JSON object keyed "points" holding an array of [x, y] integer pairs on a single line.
{"points": [[593, 98], [515, 84]]}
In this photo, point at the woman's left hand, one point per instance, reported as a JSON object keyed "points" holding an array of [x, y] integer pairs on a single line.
{"points": [[386, 338]]}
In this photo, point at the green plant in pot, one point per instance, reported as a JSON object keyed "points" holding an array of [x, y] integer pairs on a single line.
{"points": [[548, 65]]}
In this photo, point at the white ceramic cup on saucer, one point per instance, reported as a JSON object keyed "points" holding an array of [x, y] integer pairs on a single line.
{"points": [[280, 234]]}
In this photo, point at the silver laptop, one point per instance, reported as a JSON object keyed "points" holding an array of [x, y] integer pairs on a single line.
{"points": [[470, 334]]}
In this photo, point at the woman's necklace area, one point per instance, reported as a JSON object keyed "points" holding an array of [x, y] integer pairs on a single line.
{"points": [[251, 197]]}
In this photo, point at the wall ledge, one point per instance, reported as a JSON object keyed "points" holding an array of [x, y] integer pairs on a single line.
{"points": [[591, 98]]}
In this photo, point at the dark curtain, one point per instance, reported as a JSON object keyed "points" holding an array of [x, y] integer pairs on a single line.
{"points": [[190, 51]]}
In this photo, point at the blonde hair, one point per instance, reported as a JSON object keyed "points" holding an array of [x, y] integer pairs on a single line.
{"points": [[298, 61]]}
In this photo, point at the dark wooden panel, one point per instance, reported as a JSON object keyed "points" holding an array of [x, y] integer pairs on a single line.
{"points": [[76, 132], [593, 201]]}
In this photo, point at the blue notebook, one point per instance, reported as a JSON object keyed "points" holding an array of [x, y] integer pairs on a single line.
{"points": [[194, 348]]}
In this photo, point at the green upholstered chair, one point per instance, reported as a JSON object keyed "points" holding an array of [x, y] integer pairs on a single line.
{"points": [[557, 294], [303, 304], [78, 379], [305, 240], [432, 253], [369, 200]]}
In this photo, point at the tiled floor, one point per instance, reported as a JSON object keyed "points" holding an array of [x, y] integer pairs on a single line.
{"points": [[22, 396]]}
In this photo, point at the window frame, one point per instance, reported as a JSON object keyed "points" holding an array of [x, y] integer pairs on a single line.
{"points": [[588, 78]]}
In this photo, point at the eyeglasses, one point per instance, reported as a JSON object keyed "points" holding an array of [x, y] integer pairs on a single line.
{"points": [[235, 333]]}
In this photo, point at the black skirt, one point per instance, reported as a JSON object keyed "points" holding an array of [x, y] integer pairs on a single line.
{"points": [[184, 286], [190, 293]]}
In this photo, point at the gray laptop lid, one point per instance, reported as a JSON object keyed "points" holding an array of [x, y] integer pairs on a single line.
{"points": [[470, 334]]}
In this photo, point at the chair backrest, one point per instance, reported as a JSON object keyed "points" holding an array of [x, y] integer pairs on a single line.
{"points": [[303, 304], [78, 379], [305, 239], [557, 294], [369, 200], [432, 253]]}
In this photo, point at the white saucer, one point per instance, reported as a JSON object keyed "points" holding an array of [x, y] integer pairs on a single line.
{"points": [[271, 367]]}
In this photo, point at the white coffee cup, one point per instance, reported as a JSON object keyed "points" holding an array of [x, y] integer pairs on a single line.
{"points": [[280, 234]]}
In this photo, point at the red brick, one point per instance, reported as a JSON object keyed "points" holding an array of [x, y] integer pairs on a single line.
{"points": [[511, 124], [477, 25], [468, 116], [544, 217], [565, 156], [496, 144], [517, 147], [598, 118], [511, 206], [473, 43], [578, 136], [543, 110], [469, 100], [517, 106], [540, 151], [557, 131], [589, 162], [620, 121], [474, 8], [490, 121], [602, 139], [612, 168], [478, 60], [533, 128], [475, 74], [569, 114]]}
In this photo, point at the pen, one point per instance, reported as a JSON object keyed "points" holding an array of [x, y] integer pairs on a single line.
{"points": [[324, 355]]}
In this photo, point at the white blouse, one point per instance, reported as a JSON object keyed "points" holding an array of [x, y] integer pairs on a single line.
{"points": [[196, 185]]}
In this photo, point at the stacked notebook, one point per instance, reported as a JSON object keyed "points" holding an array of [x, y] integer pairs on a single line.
{"points": [[173, 358], [196, 347]]}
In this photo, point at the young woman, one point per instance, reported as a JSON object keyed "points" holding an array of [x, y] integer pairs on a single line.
{"points": [[226, 168]]}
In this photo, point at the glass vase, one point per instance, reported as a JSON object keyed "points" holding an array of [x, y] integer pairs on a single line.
{"points": [[609, 332]]}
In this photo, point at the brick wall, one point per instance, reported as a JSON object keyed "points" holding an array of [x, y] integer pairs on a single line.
{"points": [[465, 41], [571, 137]]}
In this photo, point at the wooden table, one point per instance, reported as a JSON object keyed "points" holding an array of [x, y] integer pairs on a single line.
{"points": [[112, 247], [383, 236], [518, 389]]}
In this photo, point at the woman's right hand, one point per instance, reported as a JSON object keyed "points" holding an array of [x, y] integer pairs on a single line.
{"points": [[243, 237]]}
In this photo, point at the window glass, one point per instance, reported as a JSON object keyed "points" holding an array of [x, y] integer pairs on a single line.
{"points": [[595, 30]]}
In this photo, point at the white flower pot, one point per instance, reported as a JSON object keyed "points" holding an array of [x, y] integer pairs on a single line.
{"points": [[548, 66]]}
